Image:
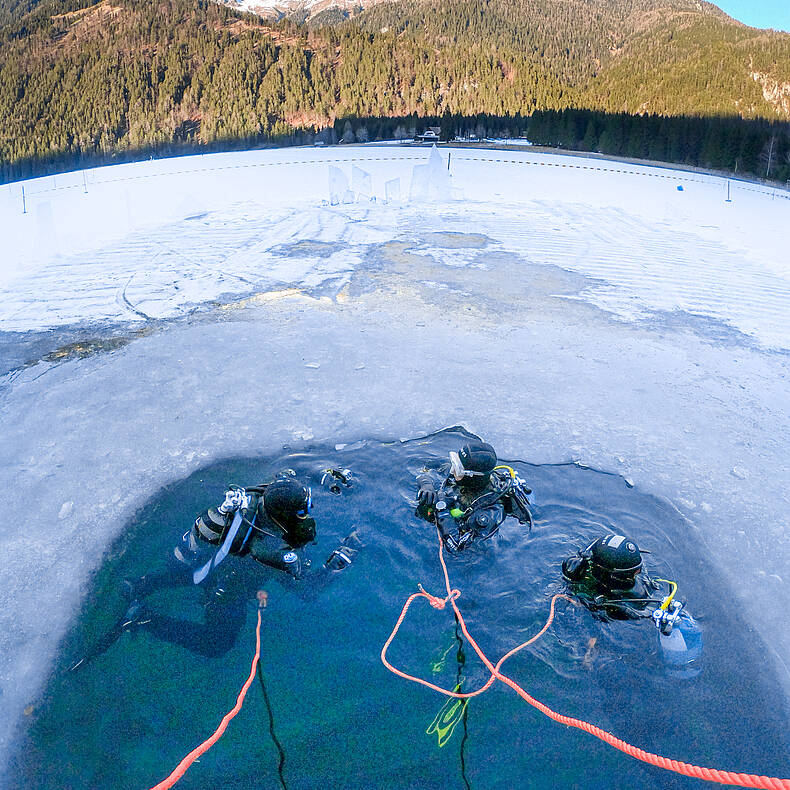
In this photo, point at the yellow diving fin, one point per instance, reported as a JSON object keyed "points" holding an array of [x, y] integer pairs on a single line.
{"points": [[447, 718]]}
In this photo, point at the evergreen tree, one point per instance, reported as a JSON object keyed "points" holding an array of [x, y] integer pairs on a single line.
{"points": [[81, 82]]}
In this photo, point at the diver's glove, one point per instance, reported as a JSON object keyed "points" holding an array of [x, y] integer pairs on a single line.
{"points": [[337, 479], [574, 569], [456, 543], [427, 495], [340, 558]]}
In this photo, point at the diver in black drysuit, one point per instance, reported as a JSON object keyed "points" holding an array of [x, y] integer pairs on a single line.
{"points": [[608, 578], [470, 498], [269, 522]]}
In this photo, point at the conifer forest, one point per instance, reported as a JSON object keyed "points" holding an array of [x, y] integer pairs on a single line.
{"points": [[85, 83]]}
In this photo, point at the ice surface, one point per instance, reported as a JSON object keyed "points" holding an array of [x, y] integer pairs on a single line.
{"points": [[561, 307]]}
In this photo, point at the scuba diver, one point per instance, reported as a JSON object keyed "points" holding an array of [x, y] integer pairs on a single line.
{"points": [[470, 498], [608, 578], [269, 522]]}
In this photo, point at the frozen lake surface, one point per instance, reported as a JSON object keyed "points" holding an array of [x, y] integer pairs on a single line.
{"points": [[158, 317]]}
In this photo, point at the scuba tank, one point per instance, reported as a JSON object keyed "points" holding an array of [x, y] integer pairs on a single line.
{"points": [[679, 637], [681, 648]]}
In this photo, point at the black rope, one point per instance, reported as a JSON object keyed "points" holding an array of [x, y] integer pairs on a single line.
{"points": [[275, 740], [461, 658], [463, 744]]}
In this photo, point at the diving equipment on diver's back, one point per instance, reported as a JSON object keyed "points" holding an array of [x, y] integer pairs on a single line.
{"points": [[679, 635], [215, 524], [681, 648], [235, 528], [229, 526], [211, 524]]}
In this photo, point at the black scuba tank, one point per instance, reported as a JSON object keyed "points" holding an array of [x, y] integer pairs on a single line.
{"points": [[211, 525]]}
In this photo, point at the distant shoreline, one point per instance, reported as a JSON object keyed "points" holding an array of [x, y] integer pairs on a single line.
{"points": [[543, 149], [449, 145]]}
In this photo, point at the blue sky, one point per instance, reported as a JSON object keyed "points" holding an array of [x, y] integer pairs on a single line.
{"points": [[758, 13]]}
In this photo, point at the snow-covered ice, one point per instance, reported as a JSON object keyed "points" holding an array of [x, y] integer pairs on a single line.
{"points": [[561, 307]]}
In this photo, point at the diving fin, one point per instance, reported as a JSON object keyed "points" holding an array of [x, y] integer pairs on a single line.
{"points": [[447, 718], [135, 615]]}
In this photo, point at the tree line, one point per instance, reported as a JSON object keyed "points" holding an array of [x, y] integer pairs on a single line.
{"points": [[85, 83]]}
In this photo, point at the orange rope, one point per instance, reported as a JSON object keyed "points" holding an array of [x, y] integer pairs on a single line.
{"points": [[686, 769], [439, 603], [181, 768]]}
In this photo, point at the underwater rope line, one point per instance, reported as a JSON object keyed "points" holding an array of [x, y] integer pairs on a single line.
{"points": [[686, 769], [275, 739], [181, 768]]}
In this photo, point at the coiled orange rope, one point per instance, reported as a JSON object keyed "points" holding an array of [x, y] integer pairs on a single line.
{"points": [[181, 768], [686, 769], [439, 603]]}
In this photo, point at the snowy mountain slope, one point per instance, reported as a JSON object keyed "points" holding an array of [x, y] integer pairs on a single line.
{"points": [[585, 310], [312, 7], [655, 79], [306, 7]]}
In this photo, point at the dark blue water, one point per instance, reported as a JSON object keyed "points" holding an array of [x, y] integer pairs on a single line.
{"points": [[128, 716]]}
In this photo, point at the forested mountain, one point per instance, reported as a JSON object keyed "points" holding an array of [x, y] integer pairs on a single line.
{"points": [[83, 82]]}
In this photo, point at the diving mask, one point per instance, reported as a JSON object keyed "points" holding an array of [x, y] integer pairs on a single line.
{"points": [[305, 511], [457, 469]]}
